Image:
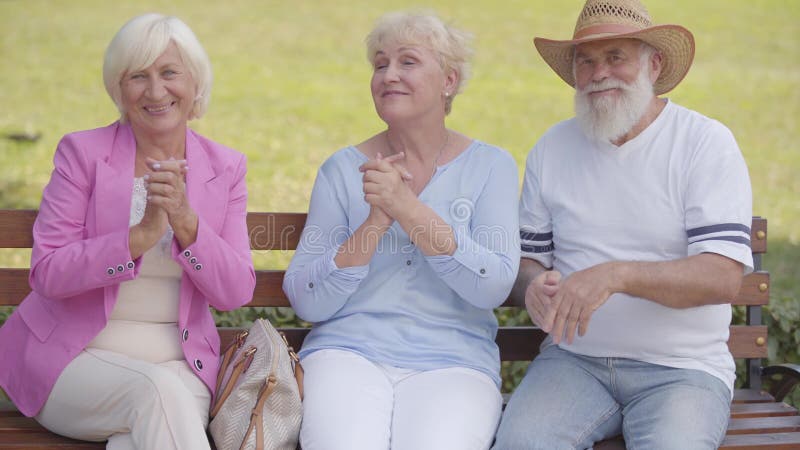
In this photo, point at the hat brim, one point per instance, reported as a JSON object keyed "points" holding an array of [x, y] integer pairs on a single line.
{"points": [[675, 43]]}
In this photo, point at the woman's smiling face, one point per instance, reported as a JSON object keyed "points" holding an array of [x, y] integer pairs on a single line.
{"points": [[407, 81], [159, 99]]}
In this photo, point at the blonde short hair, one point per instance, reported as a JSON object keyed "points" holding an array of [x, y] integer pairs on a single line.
{"points": [[425, 29], [141, 41]]}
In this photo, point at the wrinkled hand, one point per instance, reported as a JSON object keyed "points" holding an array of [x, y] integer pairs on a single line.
{"points": [[539, 298], [166, 189], [154, 222], [385, 185], [577, 299]]}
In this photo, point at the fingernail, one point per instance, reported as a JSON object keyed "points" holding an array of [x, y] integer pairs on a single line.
{"points": [[146, 177], [186, 167], [156, 166], [172, 158]]}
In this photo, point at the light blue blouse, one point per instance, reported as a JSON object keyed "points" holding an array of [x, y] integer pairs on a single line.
{"points": [[406, 309]]}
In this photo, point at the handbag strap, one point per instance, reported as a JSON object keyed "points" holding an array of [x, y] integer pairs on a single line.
{"points": [[297, 369], [256, 421], [235, 345], [299, 373], [241, 366]]}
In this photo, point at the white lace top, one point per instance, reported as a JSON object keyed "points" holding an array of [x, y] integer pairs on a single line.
{"points": [[143, 323]]}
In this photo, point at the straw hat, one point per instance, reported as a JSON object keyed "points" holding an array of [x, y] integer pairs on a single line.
{"points": [[614, 19]]}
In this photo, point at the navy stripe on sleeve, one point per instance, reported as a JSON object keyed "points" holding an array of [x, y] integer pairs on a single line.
{"points": [[538, 248], [730, 232], [533, 236], [719, 228]]}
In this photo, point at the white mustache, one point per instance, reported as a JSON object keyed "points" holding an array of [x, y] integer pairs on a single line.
{"points": [[604, 85]]}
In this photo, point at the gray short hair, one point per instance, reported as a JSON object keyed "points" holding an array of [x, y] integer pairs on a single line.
{"points": [[426, 29], [141, 41]]}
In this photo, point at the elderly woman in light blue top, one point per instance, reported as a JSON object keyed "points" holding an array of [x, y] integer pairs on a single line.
{"points": [[410, 243]]}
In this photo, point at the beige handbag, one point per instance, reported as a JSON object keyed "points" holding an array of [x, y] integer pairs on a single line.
{"points": [[259, 393]]}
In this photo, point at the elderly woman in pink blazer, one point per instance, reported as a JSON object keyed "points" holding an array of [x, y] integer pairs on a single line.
{"points": [[141, 228]]}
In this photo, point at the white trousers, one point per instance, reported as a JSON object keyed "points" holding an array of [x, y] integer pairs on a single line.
{"points": [[132, 403], [352, 403]]}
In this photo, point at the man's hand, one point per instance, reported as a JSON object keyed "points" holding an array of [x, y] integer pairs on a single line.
{"points": [[539, 298], [578, 296]]}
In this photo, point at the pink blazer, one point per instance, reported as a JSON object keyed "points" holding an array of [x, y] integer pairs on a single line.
{"points": [[80, 257]]}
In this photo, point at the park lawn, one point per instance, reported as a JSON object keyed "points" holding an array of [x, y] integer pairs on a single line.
{"points": [[292, 86]]}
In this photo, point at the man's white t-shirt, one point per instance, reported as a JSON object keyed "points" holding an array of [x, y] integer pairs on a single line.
{"points": [[679, 188]]}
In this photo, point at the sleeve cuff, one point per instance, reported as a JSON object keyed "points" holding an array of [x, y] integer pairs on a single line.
{"points": [[735, 251], [346, 274], [468, 255], [545, 259]]}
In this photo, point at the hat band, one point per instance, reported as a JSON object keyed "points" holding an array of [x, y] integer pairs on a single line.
{"points": [[604, 29]]}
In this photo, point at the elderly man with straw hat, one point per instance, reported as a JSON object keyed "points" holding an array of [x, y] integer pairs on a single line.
{"points": [[634, 221]]}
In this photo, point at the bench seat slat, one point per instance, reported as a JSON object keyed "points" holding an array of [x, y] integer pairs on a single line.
{"points": [[776, 441], [760, 425], [45, 441], [751, 396], [20, 424], [781, 424], [750, 410]]}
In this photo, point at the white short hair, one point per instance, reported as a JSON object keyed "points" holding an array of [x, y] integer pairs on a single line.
{"points": [[141, 41]]}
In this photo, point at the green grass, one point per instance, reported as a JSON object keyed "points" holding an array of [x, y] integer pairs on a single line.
{"points": [[291, 87]]}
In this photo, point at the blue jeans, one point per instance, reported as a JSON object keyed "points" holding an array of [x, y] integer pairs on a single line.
{"points": [[569, 401]]}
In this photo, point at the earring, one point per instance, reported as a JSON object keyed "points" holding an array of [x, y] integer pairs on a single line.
{"points": [[447, 94]]}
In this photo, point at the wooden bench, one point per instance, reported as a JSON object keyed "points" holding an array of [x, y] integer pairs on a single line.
{"points": [[759, 419]]}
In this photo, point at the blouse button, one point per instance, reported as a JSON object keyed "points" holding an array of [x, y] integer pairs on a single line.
{"points": [[110, 271], [120, 268], [483, 271], [131, 265], [310, 285], [187, 253], [185, 334], [198, 266], [198, 365], [408, 262], [192, 260]]}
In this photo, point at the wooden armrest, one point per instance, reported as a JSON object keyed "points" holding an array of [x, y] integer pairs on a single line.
{"points": [[790, 377]]}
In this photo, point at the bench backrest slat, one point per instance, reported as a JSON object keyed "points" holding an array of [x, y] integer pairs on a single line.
{"points": [[275, 231], [522, 343], [268, 231], [16, 228], [269, 291]]}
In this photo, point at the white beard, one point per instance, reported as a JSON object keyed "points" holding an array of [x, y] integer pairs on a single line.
{"points": [[607, 119]]}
